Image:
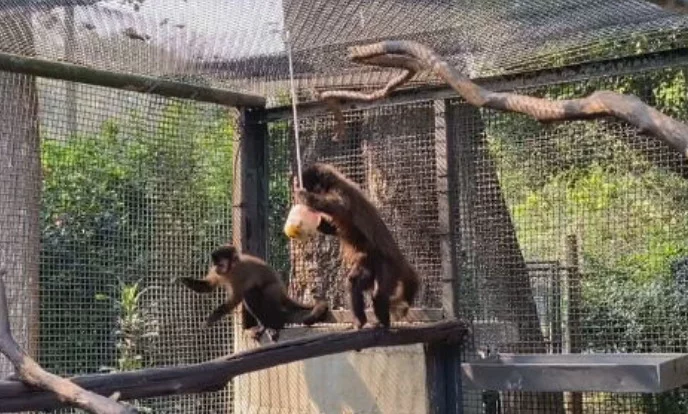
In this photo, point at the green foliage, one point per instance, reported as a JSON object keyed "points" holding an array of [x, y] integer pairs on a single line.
{"points": [[630, 214], [136, 325], [112, 202]]}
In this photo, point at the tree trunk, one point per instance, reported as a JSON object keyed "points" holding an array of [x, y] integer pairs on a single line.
{"points": [[399, 162], [20, 188]]}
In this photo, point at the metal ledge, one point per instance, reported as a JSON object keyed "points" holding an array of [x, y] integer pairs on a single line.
{"points": [[641, 373]]}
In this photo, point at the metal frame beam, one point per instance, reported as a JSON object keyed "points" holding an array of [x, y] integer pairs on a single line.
{"points": [[137, 83]]}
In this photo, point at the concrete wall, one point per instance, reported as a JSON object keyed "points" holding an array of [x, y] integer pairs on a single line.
{"points": [[378, 380]]}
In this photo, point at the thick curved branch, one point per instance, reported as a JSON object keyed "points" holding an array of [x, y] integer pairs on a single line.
{"points": [[214, 375], [333, 98], [32, 374], [599, 104]]}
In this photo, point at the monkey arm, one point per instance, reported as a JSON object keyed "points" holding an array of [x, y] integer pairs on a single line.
{"points": [[198, 285], [224, 309], [328, 203]]}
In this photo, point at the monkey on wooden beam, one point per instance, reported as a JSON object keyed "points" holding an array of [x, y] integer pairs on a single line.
{"points": [[338, 207], [250, 280]]}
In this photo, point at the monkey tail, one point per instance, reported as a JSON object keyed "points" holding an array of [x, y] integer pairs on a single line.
{"points": [[293, 305], [318, 313]]}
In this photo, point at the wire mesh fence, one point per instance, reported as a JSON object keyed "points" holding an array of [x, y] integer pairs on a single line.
{"points": [[239, 43], [572, 235], [569, 237], [135, 193], [390, 153]]}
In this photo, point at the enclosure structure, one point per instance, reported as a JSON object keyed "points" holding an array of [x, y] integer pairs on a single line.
{"points": [[567, 238]]}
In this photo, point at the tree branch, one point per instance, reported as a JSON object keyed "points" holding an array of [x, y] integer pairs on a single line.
{"points": [[599, 104], [33, 375], [214, 375], [333, 98]]}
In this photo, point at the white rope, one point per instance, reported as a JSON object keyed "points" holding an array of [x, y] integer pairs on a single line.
{"points": [[294, 104]]}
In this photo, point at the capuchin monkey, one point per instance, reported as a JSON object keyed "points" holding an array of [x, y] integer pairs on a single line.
{"points": [[368, 248], [250, 280]]}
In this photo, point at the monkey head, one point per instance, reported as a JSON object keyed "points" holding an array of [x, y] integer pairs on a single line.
{"points": [[319, 178], [224, 258]]}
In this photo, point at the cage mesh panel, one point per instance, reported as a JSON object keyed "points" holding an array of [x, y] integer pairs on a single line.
{"points": [[598, 213], [237, 43], [136, 189], [390, 153], [19, 210]]}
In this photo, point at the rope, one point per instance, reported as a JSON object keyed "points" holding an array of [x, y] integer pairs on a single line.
{"points": [[294, 104]]}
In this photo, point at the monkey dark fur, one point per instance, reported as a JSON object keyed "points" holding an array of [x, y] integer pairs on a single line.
{"points": [[250, 280], [368, 249]]}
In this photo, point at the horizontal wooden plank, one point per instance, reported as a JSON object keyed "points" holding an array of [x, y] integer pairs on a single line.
{"points": [[214, 375]]}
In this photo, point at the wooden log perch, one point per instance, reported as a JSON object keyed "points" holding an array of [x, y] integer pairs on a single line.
{"points": [[413, 57], [33, 375], [214, 375]]}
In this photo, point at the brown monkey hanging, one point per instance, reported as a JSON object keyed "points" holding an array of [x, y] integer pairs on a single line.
{"points": [[368, 249]]}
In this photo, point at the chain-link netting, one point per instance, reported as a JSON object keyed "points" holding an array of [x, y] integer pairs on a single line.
{"points": [[239, 43], [573, 236], [569, 238], [390, 153], [135, 193]]}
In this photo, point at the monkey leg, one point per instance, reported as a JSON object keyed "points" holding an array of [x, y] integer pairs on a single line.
{"points": [[248, 320], [381, 308], [197, 285], [385, 286], [399, 306], [356, 286], [252, 309]]}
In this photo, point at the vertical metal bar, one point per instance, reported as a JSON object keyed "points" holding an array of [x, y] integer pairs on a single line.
{"points": [[443, 361], [250, 192], [573, 400], [250, 206]]}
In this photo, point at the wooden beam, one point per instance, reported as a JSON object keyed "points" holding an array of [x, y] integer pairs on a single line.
{"points": [[129, 82], [215, 374], [417, 315]]}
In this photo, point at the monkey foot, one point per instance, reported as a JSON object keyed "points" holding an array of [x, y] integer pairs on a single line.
{"points": [[273, 334], [255, 334], [356, 326]]}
